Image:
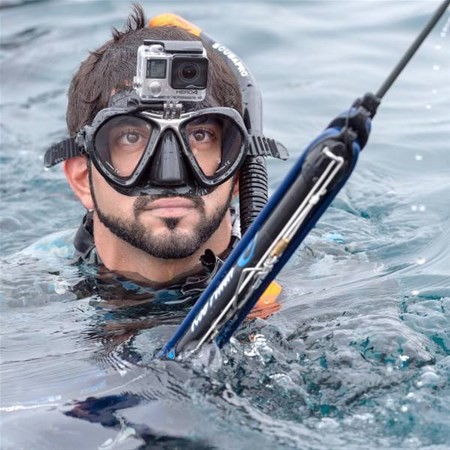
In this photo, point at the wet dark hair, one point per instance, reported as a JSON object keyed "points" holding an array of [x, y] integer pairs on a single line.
{"points": [[111, 68]]}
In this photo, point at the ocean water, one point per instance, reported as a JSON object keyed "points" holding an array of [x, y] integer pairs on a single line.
{"points": [[359, 354]]}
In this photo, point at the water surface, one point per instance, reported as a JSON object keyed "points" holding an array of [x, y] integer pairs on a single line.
{"points": [[359, 354]]}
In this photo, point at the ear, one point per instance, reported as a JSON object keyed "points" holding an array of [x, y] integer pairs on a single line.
{"points": [[77, 174], [236, 188]]}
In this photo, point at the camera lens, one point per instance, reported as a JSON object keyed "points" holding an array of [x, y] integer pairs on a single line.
{"points": [[189, 74]]}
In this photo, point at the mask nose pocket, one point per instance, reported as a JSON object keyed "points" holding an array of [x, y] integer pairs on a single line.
{"points": [[167, 166]]}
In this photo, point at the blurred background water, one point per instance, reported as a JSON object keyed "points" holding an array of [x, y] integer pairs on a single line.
{"points": [[359, 354]]}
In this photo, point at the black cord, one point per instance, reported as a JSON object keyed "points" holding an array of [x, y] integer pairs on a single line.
{"points": [[412, 49]]}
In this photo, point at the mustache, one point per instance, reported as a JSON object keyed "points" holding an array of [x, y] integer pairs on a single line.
{"points": [[141, 203]]}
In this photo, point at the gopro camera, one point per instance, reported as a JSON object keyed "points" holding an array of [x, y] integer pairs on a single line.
{"points": [[173, 71]]}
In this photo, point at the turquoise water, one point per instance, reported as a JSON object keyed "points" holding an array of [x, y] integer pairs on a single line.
{"points": [[358, 356]]}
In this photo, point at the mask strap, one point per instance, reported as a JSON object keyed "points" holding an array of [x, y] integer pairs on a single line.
{"points": [[61, 151], [262, 146]]}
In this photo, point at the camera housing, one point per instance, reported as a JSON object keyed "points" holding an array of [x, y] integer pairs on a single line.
{"points": [[171, 71]]}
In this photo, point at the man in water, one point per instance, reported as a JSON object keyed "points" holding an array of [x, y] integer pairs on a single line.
{"points": [[157, 179]]}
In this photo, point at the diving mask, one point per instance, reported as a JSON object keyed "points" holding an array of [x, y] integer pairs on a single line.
{"points": [[141, 151]]}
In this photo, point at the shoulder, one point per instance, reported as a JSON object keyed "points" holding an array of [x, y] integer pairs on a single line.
{"points": [[57, 245]]}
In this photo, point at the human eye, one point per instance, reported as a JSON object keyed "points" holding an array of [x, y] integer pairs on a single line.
{"points": [[202, 135], [129, 137], [204, 131]]}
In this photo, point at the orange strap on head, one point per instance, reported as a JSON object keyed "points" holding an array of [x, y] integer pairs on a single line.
{"points": [[172, 20]]}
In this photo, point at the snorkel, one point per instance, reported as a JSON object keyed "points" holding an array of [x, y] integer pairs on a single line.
{"points": [[253, 178]]}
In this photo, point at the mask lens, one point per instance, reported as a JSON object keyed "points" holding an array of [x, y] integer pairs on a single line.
{"points": [[215, 142], [121, 142]]}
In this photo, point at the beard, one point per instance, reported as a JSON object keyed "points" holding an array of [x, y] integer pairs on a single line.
{"points": [[176, 244]]}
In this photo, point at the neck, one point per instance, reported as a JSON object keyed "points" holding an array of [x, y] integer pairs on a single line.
{"points": [[119, 256]]}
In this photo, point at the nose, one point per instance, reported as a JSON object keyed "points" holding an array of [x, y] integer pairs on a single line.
{"points": [[167, 166]]}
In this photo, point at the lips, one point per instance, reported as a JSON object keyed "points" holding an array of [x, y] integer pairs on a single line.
{"points": [[169, 207], [170, 203]]}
